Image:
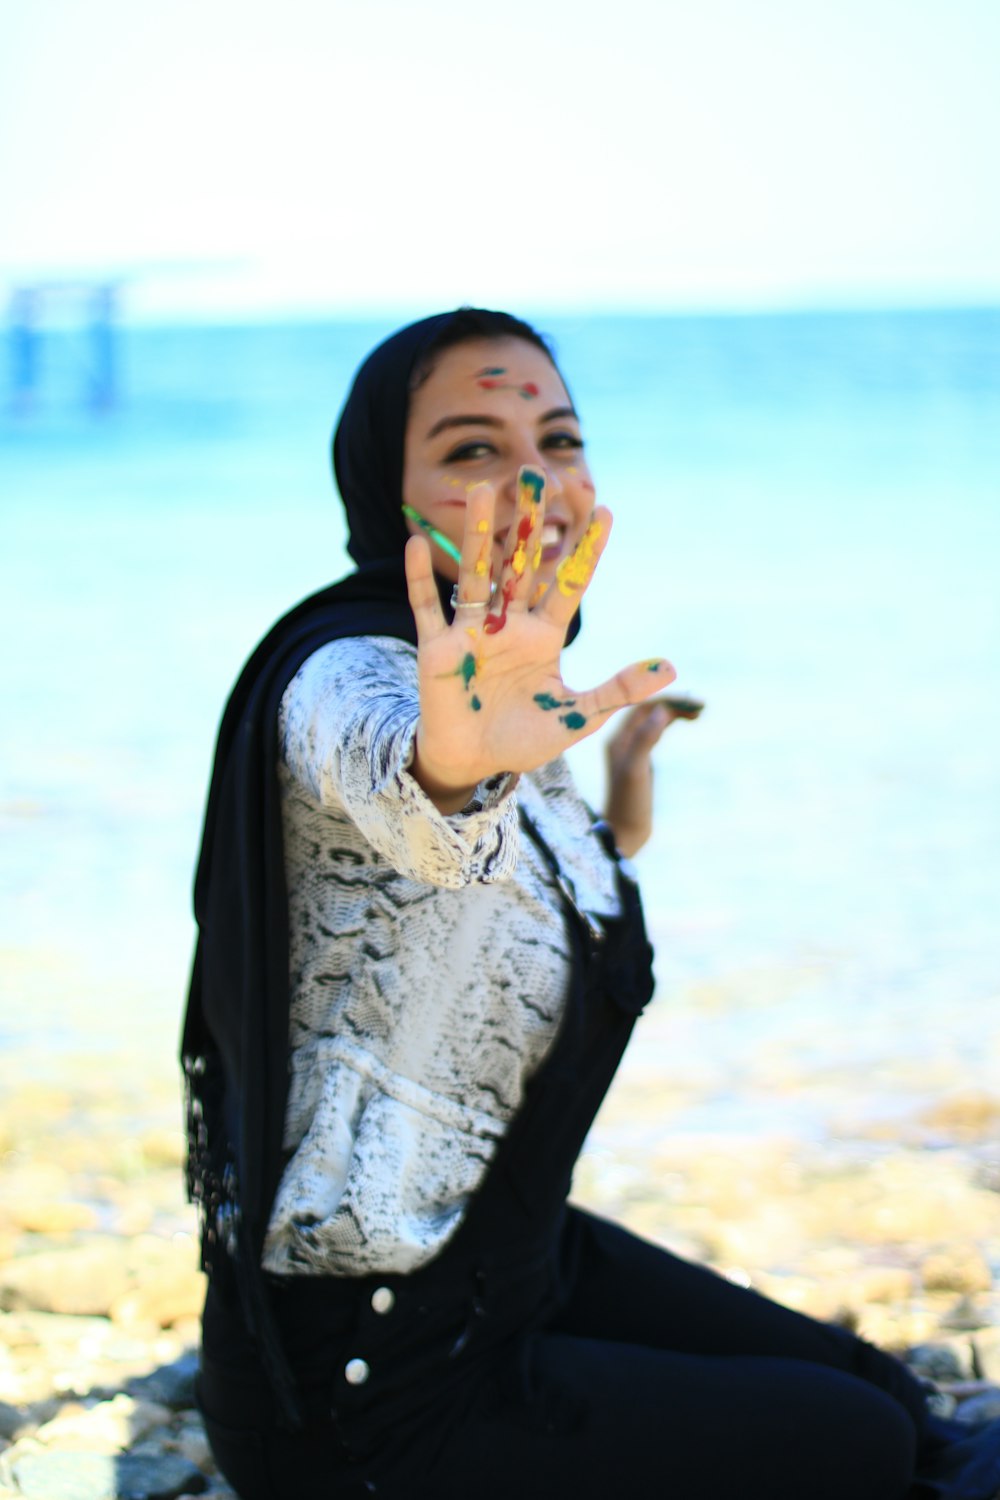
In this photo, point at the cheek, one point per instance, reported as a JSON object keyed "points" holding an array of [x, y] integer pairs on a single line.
{"points": [[581, 494]]}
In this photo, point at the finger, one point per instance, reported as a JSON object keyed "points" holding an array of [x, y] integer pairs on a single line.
{"points": [[476, 567], [522, 550], [582, 713], [422, 590], [683, 707], [639, 731], [652, 724], [562, 600]]}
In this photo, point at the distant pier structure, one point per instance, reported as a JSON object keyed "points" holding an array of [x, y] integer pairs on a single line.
{"points": [[87, 310]]}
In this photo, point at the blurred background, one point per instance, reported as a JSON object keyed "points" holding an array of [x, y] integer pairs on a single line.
{"points": [[766, 242]]}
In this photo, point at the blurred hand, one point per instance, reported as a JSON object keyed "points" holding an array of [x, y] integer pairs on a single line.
{"points": [[629, 807]]}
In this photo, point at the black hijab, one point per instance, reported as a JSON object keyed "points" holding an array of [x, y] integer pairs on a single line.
{"points": [[369, 441], [235, 1038]]}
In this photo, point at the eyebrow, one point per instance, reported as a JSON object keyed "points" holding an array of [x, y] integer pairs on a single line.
{"points": [[472, 420]]}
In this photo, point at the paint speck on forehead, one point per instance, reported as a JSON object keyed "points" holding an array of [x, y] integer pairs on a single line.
{"points": [[491, 378]]}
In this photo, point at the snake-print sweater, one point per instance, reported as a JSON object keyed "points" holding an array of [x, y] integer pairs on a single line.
{"points": [[428, 967]]}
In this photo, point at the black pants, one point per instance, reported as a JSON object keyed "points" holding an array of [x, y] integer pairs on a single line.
{"points": [[648, 1377]]}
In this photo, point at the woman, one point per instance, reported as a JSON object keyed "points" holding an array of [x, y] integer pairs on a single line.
{"points": [[419, 962]]}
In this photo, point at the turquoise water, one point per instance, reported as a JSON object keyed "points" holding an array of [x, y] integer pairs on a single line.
{"points": [[807, 524]]}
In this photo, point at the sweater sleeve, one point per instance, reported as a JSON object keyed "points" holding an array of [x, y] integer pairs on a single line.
{"points": [[346, 730]]}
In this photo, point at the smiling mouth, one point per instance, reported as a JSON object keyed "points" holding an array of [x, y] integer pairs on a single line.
{"points": [[552, 540]]}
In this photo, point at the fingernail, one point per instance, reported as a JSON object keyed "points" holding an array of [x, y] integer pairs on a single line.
{"points": [[532, 483]]}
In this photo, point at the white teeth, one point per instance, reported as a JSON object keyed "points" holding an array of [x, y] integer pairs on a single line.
{"points": [[551, 536]]}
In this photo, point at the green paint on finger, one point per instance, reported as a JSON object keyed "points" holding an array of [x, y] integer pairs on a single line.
{"points": [[475, 704], [572, 721], [532, 485]]}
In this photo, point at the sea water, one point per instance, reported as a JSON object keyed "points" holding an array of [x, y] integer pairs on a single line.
{"points": [[807, 523]]}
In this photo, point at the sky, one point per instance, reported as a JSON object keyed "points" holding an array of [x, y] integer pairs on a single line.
{"points": [[227, 156]]}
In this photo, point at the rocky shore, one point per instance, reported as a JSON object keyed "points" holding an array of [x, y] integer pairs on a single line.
{"points": [[896, 1233]]}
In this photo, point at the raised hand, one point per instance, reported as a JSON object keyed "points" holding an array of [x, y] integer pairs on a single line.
{"points": [[492, 698], [629, 805]]}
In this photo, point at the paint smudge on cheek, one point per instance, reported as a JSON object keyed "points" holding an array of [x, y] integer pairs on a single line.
{"points": [[445, 543], [573, 573]]}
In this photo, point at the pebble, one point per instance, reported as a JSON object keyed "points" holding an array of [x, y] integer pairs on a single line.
{"points": [[980, 1409], [956, 1271], [939, 1362], [985, 1344], [100, 1288], [92, 1476]]}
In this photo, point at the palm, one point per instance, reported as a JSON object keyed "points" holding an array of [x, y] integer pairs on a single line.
{"points": [[492, 698]]}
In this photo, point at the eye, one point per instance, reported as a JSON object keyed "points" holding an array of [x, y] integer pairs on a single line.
{"points": [[564, 440], [471, 450]]}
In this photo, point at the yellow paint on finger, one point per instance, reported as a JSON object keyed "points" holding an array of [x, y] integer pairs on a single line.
{"points": [[482, 527], [573, 573]]}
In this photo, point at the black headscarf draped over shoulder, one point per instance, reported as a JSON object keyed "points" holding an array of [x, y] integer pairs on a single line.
{"points": [[235, 1038]]}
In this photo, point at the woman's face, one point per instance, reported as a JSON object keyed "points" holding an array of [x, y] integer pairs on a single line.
{"points": [[486, 408]]}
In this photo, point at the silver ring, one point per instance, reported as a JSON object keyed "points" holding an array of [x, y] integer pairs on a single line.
{"points": [[457, 603]]}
